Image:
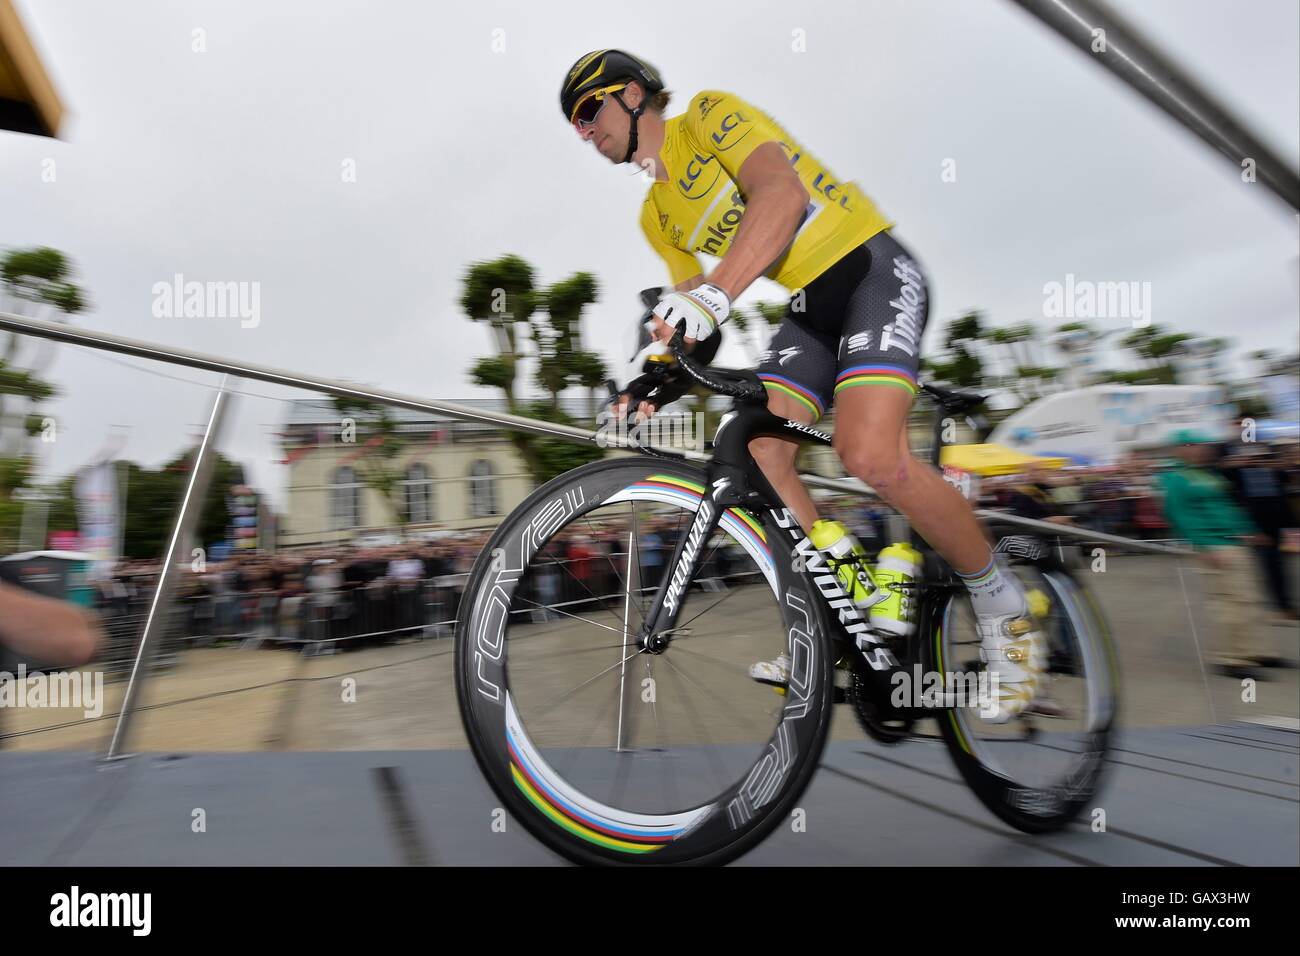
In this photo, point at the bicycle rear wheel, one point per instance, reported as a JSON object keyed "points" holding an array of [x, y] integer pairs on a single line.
{"points": [[606, 752], [1034, 772]]}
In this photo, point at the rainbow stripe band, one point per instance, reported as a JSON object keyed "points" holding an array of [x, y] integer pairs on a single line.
{"points": [[779, 383], [738, 520], [895, 375], [581, 825], [979, 577]]}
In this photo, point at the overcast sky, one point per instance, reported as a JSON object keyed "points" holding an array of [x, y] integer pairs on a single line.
{"points": [[227, 165]]}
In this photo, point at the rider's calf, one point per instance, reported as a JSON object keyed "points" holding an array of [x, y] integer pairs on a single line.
{"points": [[774, 456]]}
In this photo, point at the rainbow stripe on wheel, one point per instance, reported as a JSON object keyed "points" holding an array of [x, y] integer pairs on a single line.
{"points": [[583, 817], [742, 527]]}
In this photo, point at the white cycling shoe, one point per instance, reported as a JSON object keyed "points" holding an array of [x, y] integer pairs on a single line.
{"points": [[1014, 652], [776, 673]]}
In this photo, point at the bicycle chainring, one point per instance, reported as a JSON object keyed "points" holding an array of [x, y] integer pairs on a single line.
{"points": [[886, 728]]}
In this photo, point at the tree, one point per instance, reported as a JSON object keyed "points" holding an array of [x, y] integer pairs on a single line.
{"points": [[1023, 352], [154, 496], [38, 283], [34, 282], [959, 365], [1155, 347], [378, 447], [562, 359], [501, 294]]}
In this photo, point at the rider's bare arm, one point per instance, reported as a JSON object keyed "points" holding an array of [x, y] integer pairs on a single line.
{"points": [[775, 203], [775, 200], [37, 626]]}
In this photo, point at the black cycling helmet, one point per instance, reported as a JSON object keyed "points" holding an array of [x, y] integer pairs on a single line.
{"points": [[602, 68]]}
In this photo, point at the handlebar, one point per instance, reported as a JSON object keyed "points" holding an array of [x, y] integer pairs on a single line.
{"points": [[734, 383]]}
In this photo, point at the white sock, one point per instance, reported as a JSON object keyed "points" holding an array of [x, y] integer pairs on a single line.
{"points": [[992, 592]]}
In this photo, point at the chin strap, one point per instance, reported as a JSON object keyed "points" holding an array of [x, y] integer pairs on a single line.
{"points": [[635, 114]]}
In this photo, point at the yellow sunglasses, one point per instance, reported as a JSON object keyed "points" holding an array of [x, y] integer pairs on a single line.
{"points": [[588, 109]]}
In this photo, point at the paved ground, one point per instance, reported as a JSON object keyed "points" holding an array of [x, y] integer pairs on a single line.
{"points": [[1196, 776]]}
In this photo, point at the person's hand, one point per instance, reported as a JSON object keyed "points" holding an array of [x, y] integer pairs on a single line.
{"points": [[660, 330], [619, 409], [704, 308], [1212, 560]]}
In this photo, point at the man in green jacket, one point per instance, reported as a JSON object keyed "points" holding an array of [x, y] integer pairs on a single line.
{"points": [[1198, 503]]}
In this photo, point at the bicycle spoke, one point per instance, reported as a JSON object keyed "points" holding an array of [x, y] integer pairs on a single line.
{"points": [[576, 650], [635, 550], [622, 677], [711, 606], [710, 752], [669, 779], [556, 610], [566, 764], [569, 693], [583, 585], [731, 668], [610, 561]]}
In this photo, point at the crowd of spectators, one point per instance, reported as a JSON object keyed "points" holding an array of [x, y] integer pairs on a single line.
{"points": [[341, 591], [1126, 499], [325, 592]]}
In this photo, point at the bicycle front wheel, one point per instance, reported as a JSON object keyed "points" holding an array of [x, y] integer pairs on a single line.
{"points": [[612, 754]]}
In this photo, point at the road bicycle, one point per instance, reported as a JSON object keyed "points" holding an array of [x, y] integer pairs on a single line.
{"points": [[622, 727]]}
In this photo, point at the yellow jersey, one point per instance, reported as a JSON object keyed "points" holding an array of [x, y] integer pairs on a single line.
{"points": [[700, 207]]}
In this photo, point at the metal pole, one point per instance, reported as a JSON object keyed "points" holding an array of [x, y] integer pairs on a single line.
{"points": [[187, 522], [1150, 73], [276, 376]]}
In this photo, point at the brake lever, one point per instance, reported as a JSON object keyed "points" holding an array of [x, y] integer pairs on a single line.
{"points": [[677, 344]]}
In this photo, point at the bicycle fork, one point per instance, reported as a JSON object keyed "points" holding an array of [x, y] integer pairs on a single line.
{"points": [[688, 556]]}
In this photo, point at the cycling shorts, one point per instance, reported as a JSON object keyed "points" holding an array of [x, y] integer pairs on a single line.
{"points": [[858, 323]]}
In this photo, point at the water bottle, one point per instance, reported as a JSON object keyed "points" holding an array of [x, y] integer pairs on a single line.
{"points": [[897, 568]]}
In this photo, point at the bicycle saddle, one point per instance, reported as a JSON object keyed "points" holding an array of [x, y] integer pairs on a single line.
{"points": [[955, 399]]}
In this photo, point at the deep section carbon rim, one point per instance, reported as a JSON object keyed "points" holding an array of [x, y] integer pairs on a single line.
{"points": [[607, 751], [1038, 768]]}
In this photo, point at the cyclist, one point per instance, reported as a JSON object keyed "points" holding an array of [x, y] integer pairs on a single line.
{"points": [[731, 182]]}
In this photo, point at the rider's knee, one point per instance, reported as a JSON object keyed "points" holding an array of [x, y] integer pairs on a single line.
{"points": [[874, 459]]}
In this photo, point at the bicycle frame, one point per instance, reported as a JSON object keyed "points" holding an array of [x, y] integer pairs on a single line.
{"points": [[733, 479]]}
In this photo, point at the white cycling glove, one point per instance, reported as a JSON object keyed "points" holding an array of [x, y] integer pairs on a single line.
{"points": [[704, 308]]}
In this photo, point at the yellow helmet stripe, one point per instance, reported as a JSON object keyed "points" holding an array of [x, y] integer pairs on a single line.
{"points": [[581, 64]]}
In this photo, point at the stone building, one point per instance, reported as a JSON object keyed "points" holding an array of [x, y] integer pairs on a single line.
{"points": [[456, 475]]}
